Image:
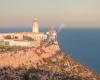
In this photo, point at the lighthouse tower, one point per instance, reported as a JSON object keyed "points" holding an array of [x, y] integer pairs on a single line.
{"points": [[35, 27]]}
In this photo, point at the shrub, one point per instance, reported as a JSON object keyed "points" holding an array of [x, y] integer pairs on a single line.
{"points": [[8, 37]]}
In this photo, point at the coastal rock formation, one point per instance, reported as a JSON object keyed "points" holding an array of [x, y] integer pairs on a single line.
{"points": [[26, 64]]}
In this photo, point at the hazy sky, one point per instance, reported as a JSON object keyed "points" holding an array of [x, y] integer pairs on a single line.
{"points": [[71, 13]]}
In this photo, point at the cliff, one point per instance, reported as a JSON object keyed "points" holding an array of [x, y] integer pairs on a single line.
{"points": [[52, 64]]}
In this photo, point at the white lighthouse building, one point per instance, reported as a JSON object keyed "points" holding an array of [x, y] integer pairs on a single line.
{"points": [[25, 38], [35, 27]]}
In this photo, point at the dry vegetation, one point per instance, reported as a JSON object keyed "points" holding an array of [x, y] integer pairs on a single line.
{"points": [[24, 64]]}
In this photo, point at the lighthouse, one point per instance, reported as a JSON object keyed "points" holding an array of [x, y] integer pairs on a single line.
{"points": [[35, 27]]}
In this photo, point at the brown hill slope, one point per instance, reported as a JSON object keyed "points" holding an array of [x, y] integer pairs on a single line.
{"points": [[25, 64]]}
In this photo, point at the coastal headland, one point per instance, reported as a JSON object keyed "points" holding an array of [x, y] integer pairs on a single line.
{"points": [[37, 56], [27, 64]]}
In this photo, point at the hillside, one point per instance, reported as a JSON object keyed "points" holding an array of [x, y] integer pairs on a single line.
{"points": [[26, 64]]}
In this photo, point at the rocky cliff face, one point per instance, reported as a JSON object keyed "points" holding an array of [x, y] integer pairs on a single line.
{"points": [[25, 64]]}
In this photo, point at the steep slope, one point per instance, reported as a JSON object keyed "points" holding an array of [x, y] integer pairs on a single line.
{"points": [[61, 64]]}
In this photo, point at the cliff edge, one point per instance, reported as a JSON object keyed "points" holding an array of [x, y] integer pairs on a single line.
{"points": [[46, 63]]}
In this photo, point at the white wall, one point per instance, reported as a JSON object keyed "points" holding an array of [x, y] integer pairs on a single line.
{"points": [[40, 36], [20, 43], [1, 37]]}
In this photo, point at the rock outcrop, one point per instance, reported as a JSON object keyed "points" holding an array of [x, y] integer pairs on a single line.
{"points": [[25, 64]]}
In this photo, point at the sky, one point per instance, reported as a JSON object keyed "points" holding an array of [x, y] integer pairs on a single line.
{"points": [[70, 13]]}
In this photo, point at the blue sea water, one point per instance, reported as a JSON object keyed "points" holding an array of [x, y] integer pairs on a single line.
{"points": [[82, 44]]}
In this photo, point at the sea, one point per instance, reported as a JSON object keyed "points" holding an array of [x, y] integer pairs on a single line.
{"points": [[82, 44]]}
